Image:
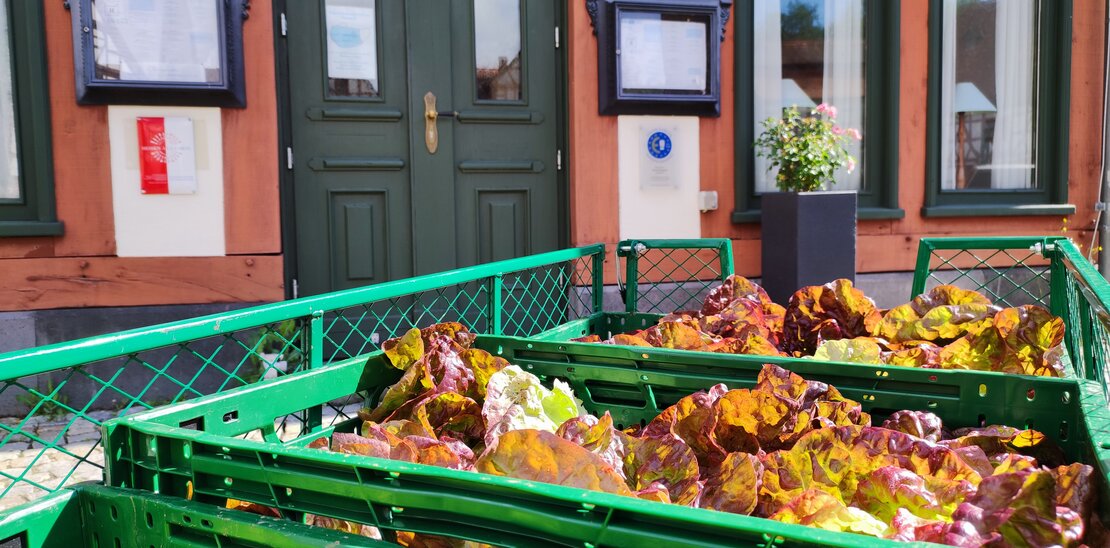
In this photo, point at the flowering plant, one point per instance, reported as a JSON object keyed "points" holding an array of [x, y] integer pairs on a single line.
{"points": [[807, 150]]}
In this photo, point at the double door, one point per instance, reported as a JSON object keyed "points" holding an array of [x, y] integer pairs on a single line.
{"points": [[424, 135]]}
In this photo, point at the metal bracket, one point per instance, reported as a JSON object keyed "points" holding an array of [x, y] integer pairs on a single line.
{"points": [[1100, 206]]}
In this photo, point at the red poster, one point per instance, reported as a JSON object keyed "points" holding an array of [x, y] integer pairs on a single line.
{"points": [[152, 155]]}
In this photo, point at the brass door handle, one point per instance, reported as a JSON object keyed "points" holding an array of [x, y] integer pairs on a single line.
{"points": [[431, 115]]}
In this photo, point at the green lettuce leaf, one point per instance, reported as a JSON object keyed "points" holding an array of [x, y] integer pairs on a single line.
{"points": [[692, 419], [945, 312], [817, 508], [596, 435], [836, 459], [733, 485], [451, 414], [889, 488], [1024, 340], [921, 424], [662, 461], [405, 350], [914, 354], [679, 335], [543, 456], [832, 311], [1021, 508], [482, 365], [858, 350], [515, 399], [1000, 440], [1076, 488]]}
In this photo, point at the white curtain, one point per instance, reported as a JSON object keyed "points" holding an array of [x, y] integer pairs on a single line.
{"points": [[947, 97], [9, 159], [843, 79], [767, 79], [1012, 160]]}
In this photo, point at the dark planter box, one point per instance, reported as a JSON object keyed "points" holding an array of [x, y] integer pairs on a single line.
{"points": [[809, 238]]}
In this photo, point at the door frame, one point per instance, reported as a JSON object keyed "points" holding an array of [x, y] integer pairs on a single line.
{"points": [[285, 138]]}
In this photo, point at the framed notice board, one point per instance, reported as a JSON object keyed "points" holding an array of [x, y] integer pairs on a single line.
{"points": [[659, 57], [187, 52]]}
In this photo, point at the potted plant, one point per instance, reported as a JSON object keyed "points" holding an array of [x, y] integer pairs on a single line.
{"points": [[808, 232], [275, 349]]}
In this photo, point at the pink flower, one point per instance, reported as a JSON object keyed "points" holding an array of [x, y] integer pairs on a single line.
{"points": [[851, 164], [854, 133], [837, 130], [827, 110]]}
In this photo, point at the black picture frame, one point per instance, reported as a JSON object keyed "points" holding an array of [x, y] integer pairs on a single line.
{"points": [[614, 98], [230, 91]]}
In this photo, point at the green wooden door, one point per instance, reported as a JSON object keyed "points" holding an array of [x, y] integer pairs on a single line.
{"points": [[372, 203]]}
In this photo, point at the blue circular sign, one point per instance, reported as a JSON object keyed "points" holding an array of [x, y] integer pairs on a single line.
{"points": [[659, 145]]}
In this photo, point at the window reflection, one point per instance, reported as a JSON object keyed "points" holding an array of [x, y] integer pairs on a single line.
{"points": [[9, 154], [988, 95], [808, 52], [497, 49]]}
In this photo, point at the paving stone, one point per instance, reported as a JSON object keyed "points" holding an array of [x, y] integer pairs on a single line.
{"points": [[82, 426], [50, 432], [75, 437]]}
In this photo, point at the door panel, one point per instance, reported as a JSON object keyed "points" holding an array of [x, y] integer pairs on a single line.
{"points": [[359, 230], [503, 225], [372, 203], [351, 172], [514, 134]]}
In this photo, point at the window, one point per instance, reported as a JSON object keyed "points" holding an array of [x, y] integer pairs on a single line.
{"points": [[26, 169], [806, 52], [497, 50], [998, 100]]}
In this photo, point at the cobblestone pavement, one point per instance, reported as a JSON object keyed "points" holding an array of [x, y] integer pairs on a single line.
{"points": [[77, 456]]}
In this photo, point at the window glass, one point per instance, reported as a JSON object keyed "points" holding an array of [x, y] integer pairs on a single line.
{"points": [[988, 94], [352, 48], [157, 41], [664, 53], [9, 153], [808, 52], [497, 49]]}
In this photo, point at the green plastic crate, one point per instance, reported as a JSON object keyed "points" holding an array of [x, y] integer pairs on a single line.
{"points": [[98, 516], [196, 447], [60, 394], [1011, 271]]}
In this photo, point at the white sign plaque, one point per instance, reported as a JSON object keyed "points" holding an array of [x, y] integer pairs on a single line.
{"points": [[658, 167]]}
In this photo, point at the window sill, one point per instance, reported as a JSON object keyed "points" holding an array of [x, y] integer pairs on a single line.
{"points": [[864, 214], [997, 210], [31, 228]]}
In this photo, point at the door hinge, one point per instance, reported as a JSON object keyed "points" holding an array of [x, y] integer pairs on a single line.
{"points": [[289, 158], [556, 37], [559, 160], [296, 288], [284, 25]]}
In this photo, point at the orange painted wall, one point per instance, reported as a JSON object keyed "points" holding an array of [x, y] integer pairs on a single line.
{"points": [[886, 245], [79, 269]]}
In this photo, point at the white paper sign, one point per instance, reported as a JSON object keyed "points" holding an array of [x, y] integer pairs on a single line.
{"points": [[658, 167], [159, 41], [352, 42], [181, 155], [662, 55]]}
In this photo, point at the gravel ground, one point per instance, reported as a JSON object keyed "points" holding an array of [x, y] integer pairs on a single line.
{"points": [[76, 457]]}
